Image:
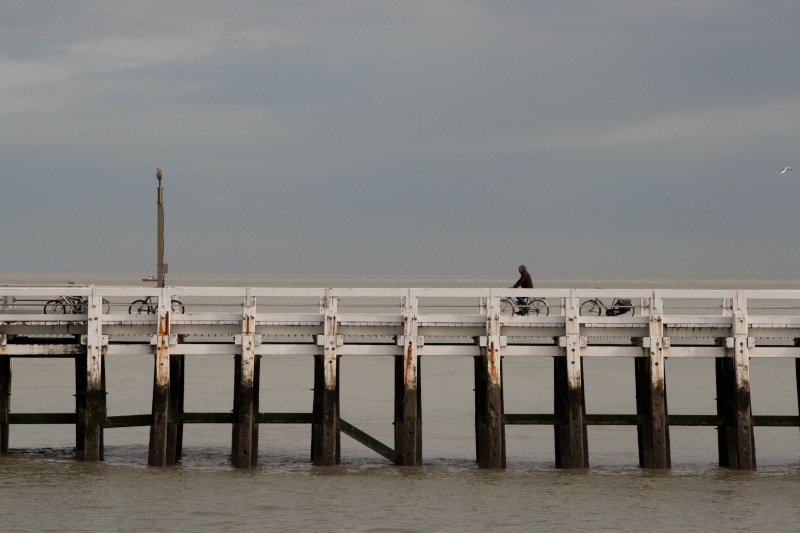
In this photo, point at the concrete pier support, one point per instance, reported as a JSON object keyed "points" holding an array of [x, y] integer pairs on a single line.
{"points": [[571, 438], [325, 432], [5, 401], [160, 452], [408, 401], [90, 393], [244, 447], [736, 439], [651, 395]]}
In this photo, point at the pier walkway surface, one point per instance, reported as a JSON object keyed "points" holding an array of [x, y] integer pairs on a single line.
{"points": [[252, 324]]}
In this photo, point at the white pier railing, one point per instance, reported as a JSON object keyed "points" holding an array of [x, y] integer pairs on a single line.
{"points": [[692, 323], [90, 323]]}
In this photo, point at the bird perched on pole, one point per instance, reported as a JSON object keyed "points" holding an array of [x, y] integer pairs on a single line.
{"points": [[784, 170]]}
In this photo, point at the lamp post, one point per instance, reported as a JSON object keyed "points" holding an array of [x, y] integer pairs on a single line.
{"points": [[162, 266]]}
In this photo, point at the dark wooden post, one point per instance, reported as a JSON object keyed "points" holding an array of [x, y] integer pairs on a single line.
{"points": [[736, 439], [480, 402], [491, 442], [489, 412], [325, 434], [5, 399], [90, 394], [408, 404], [651, 394], [796, 374], [723, 370], [651, 406], [571, 438], [177, 377], [244, 449], [407, 416], [159, 453]]}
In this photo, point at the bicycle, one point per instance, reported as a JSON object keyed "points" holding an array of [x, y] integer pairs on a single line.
{"points": [[597, 307], [149, 307], [72, 305], [533, 306]]}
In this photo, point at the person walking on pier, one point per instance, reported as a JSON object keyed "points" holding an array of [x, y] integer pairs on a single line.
{"points": [[524, 282]]}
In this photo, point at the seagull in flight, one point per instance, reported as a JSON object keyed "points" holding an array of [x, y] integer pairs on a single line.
{"points": [[784, 170]]}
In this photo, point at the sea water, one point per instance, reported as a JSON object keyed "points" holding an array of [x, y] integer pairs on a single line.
{"points": [[42, 487]]}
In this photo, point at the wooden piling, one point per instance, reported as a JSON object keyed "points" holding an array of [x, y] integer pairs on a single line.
{"points": [[489, 414], [796, 374], [480, 401], [571, 437], [724, 393], [407, 417], [90, 394], [736, 439], [159, 453], [325, 433], [736, 442], [325, 436], [490, 432], [651, 408], [489, 410], [407, 397], [244, 447], [651, 395], [5, 401], [177, 378]]}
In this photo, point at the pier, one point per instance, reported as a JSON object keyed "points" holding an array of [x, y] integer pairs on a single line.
{"points": [[249, 325]]}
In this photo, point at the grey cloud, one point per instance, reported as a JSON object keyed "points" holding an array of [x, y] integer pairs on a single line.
{"points": [[589, 136]]}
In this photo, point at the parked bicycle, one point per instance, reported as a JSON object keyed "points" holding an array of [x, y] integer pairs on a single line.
{"points": [[597, 307], [149, 307], [531, 306], [72, 305]]}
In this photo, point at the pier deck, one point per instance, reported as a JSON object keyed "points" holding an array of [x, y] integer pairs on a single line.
{"points": [[253, 324]]}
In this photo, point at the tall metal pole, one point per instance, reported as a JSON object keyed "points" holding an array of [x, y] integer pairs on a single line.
{"points": [[161, 266]]}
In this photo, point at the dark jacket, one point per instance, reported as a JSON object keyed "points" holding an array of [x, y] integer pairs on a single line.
{"points": [[524, 281]]}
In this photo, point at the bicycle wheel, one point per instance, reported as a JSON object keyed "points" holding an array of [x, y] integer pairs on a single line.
{"points": [[538, 307], [54, 306], [177, 306], [138, 307], [106, 306], [591, 307], [506, 307]]}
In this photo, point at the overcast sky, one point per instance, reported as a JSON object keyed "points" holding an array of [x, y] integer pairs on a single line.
{"points": [[432, 137]]}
